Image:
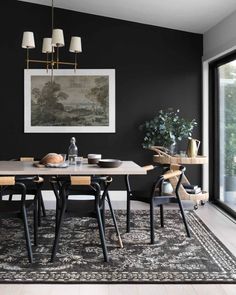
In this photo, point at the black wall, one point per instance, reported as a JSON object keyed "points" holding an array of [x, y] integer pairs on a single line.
{"points": [[156, 68]]}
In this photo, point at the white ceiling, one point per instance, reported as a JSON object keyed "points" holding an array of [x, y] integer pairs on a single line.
{"points": [[196, 16]]}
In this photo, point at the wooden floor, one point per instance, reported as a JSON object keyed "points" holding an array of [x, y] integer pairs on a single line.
{"points": [[222, 227]]}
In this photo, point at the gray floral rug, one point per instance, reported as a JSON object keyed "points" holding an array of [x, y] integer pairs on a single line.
{"points": [[173, 259]]}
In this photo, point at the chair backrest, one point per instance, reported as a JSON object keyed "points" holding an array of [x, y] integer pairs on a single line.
{"points": [[80, 186], [80, 180], [26, 159], [9, 185], [7, 180], [36, 179], [142, 182], [174, 174], [148, 167], [174, 171]]}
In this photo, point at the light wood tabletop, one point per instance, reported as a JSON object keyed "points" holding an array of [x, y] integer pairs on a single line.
{"points": [[177, 159], [27, 168]]}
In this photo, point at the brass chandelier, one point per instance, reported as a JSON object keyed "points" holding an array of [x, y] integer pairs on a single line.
{"points": [[51, 47]]}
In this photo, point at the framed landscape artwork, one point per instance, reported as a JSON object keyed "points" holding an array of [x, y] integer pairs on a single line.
{"points": [[69, 101]]}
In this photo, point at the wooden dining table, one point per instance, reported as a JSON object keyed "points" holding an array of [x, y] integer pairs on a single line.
{"points": [[27, 168], [21, 168]]}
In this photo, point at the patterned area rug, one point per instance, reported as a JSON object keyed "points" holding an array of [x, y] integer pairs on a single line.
{"points": [[173, 259]]}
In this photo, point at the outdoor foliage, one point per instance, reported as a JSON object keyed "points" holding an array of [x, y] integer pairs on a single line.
{"points": [[230, 119]]}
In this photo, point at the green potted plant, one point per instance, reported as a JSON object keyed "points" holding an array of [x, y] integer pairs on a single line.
{"points": [[166, 128]]}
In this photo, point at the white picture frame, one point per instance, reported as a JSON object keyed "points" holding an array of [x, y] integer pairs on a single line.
{"points": [[81, 101]]}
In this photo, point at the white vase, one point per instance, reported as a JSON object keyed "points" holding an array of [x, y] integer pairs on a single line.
{"points": [[167, 187]]}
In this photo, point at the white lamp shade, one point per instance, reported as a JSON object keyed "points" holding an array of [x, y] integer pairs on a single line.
{"points": [[47, 45], [28, 40], [75, 45], [58, 38]]}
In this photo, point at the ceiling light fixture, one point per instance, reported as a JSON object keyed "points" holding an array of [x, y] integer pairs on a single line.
{"points": [[50, 45]]}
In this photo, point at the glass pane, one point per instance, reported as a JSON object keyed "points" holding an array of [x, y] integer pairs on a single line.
{"points": [[227, 132]]}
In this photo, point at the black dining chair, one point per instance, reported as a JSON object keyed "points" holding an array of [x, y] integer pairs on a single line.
{"points": [[65, 187], [153, 195], [33, 187], [17, 208]]}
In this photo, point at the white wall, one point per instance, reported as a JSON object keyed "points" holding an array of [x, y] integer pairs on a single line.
{"points": [[221, 38]]}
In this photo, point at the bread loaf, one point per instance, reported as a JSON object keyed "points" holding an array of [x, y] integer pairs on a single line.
{"points": [[51, 158]]}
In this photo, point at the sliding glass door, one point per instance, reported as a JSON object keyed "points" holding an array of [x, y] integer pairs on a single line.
{"points": [[223, 105]]}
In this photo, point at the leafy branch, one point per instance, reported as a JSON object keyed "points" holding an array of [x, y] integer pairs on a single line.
{"points": [[166, 128]]}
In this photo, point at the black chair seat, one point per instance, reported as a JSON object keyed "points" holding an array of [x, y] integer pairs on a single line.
{"points": [[142, 196], [29, 191], [166, 199], [83, 208], [145, 196], [13, 207]]}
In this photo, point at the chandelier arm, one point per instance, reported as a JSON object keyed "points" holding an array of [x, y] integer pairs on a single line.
{"points": [[66, 63], [49, 62], [39, 61]]}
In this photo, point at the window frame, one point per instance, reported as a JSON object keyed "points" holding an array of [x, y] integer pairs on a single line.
{"points": [[214, 138]]}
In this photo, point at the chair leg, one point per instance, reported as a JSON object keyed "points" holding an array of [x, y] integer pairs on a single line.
{"points": [[27, 235], [43, 206], [103, 216], [39, 207], [114, 220], [152, 222], [58, 195], [128, 190], [35, 222], [128, 214], [101, 233], [162, 215], [183, 217], [57, 215], [58, 231]]}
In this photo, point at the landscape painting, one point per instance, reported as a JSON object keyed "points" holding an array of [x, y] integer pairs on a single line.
{"points": [[69, 101]]}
